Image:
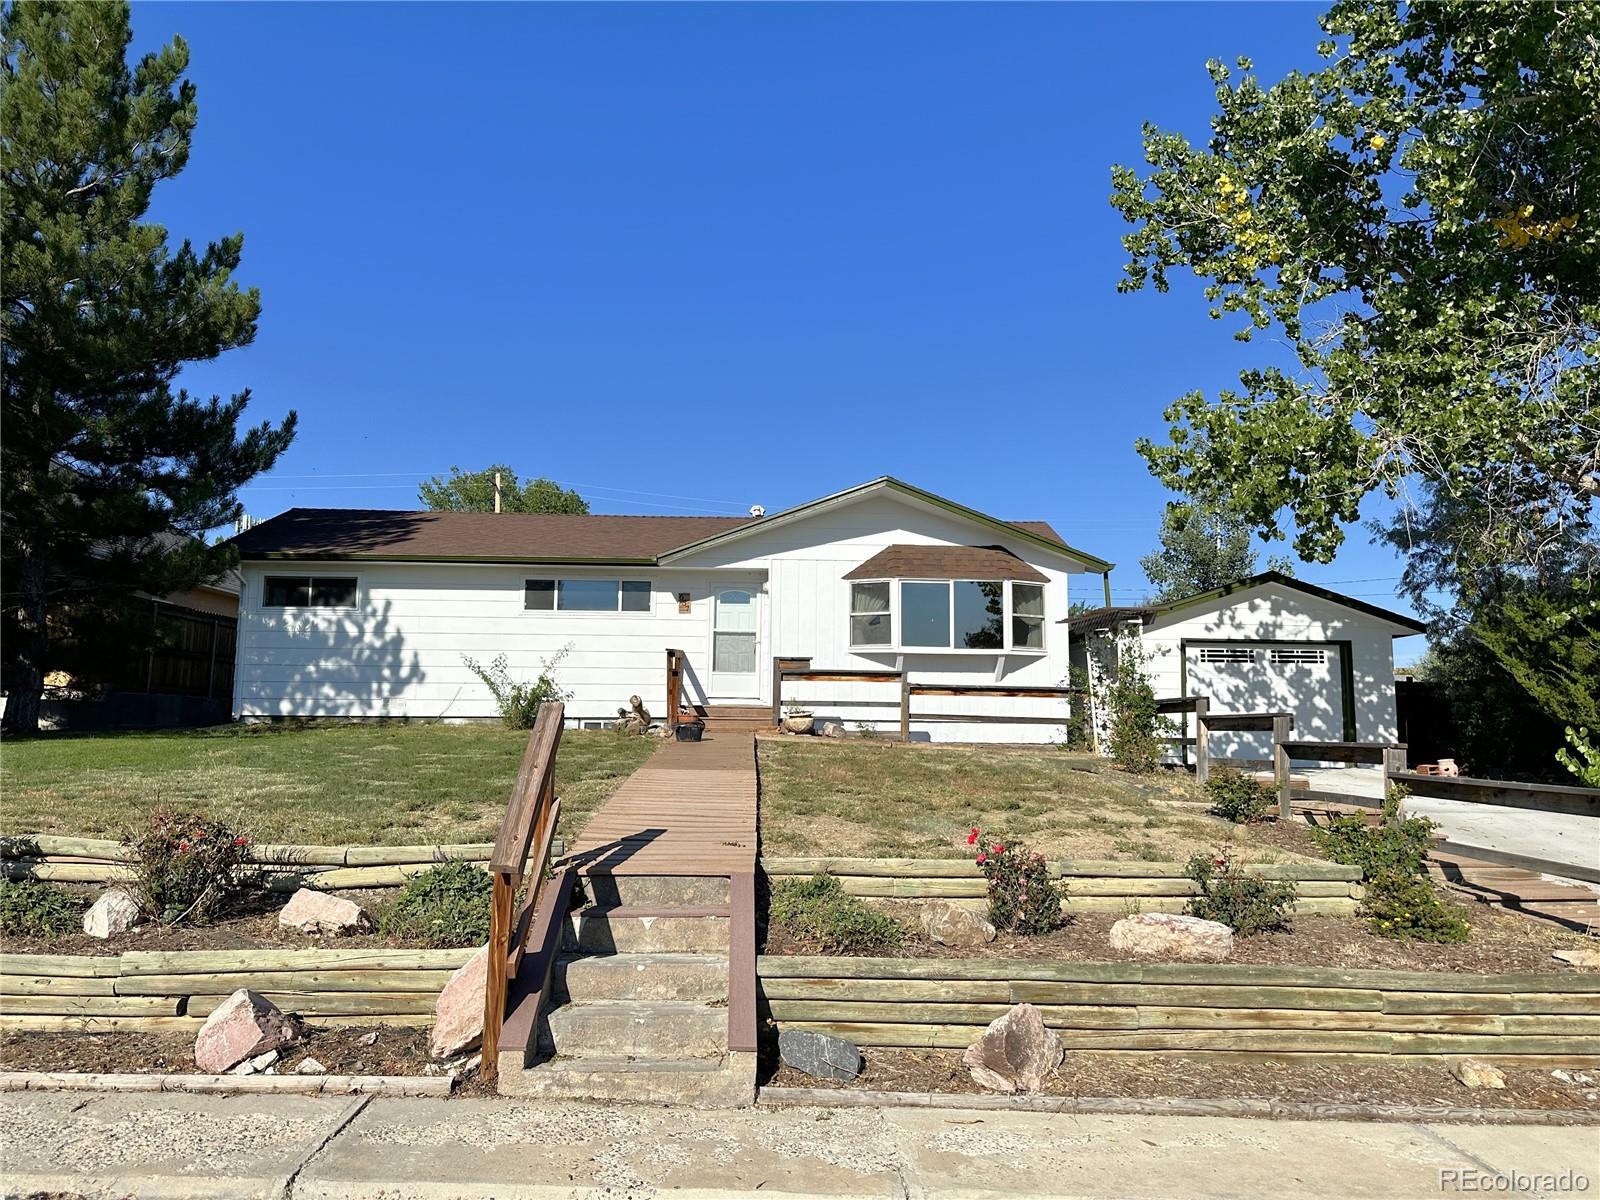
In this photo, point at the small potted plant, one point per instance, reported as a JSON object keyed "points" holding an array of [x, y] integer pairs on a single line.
{"points": [[689, 731], [798, 720]]}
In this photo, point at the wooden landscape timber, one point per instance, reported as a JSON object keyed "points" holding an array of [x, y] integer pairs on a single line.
{"points": [[1321, 889], [1248, 1011], [54, 858], [155, 991]]}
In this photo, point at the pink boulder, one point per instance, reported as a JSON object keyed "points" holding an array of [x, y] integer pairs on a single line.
{"points": [[458, 1016], [1015, 1053], [242, 1026]]}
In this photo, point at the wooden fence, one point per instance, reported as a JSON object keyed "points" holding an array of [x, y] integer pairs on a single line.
{"points": [[163, 991], [1321, 889], [798, 670], [1548, 1018]]}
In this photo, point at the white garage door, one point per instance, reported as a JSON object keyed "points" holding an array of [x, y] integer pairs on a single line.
{"points": [[1250, 678]]}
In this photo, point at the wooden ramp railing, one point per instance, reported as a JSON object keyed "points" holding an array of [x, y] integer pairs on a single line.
{"points": [[527, 831]]}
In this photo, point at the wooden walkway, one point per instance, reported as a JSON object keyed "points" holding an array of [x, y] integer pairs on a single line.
{"points": [[689, 810], [1518, 890]]}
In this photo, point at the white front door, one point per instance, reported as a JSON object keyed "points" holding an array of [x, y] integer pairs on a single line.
{"points": [[735, 644]]}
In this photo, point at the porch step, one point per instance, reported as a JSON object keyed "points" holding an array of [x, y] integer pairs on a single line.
{"points": [[725, 1082], [650, 1029], [734, 718], [656, 891], [700, 977], [624, 929]]}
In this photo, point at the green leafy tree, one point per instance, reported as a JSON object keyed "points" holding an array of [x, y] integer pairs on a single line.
{"points": [[1203, 547], [473, 491], [103, 460], [1137, 727], [1419, 221]]}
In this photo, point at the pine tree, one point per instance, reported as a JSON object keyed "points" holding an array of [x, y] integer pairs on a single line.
{"points": [[110, 474], [1202, 547]]}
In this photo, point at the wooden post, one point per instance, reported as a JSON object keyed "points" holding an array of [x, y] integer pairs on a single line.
{"points": [[494, 995], [674, 687], [1394, 759], [1280, 763], [905, 706], [1202, 744]]}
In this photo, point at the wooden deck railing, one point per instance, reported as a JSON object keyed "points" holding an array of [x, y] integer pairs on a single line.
{"points": [[526, 833], [799, 670]]}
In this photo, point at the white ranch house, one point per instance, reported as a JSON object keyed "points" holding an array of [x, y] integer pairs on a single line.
{"points": [[357, 613]]}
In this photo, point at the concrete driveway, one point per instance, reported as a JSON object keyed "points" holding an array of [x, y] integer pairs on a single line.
{"points": [[1551, 836]]}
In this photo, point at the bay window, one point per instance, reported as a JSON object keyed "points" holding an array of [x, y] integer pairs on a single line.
{"points": [[947, 614]]}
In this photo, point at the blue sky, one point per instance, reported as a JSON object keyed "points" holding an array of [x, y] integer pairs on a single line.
{"points": [[691, 258]]}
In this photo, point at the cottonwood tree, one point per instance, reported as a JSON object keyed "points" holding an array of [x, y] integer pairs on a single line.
{"points": [[473, 491], [1419, 221], [103, 460], [1203, 547]]}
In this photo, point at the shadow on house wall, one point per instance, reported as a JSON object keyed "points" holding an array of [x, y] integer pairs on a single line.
{"points": [[349, 663]]}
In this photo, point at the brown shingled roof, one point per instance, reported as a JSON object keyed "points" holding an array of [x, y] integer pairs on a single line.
{"points": [[945, 562], [378, 533], [338, 533]]}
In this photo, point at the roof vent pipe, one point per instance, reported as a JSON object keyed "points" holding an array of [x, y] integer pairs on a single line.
{"points": [[758, 510]]}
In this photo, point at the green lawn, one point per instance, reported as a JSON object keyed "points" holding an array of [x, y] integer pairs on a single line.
{"points": [[391, 784], [850, 799]]}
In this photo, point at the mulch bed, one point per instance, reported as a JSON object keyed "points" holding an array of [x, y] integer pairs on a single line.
{"points": [[1086, 1074], [1501, 943], [393, 1050], [252, 925]]}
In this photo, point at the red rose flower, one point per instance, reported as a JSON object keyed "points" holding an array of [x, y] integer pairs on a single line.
{"points": [[999, 849], [972, 837], [982, 858]]}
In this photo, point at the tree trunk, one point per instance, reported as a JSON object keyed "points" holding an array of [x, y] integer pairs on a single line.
{"points": [[27, 648]]}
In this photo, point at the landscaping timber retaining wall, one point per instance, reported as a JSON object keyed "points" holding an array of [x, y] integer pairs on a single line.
{"points": [[1322, 889], [175, 990], [58, 859], [1192, 1008]]}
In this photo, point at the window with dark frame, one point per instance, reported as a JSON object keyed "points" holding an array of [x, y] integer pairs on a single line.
{"points": [[308, 591], [586, 595]]}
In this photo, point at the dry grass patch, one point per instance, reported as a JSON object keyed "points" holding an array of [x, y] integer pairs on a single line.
{"points": [[885, 800], [373, 784]]}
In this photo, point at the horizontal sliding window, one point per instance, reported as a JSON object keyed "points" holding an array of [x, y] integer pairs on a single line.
{"points": [[309, 591], [979, 614], [586, 595]]}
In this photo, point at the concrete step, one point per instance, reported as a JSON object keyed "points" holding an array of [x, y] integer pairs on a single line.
{"points": [[618, 929], [656, 891], [653, 1029], [725, 1082], [698, 977]]}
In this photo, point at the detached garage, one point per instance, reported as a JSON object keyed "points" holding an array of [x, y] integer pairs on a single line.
{"points": [[1269, 643]]}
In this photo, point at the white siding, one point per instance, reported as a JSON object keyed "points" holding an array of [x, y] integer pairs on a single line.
{"points": [[1274, 614], [399, 652]]}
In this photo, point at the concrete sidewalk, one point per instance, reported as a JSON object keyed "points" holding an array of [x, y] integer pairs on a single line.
{"points": [[168, 1145]]}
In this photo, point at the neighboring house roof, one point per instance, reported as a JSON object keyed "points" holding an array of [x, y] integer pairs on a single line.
{"points": [[946, 562], [1104, 618], [358, 533]]}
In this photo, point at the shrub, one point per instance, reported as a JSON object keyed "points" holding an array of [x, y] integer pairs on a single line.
{"points": [[1237, 797], [187, 865], [518, 700], [818, 911], [1395, 845], [1022, 896], [1248, 903], [29, 908], [1078, 734], [446, 905], [1409, 906], [1135, 723], [1583, 760]]}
